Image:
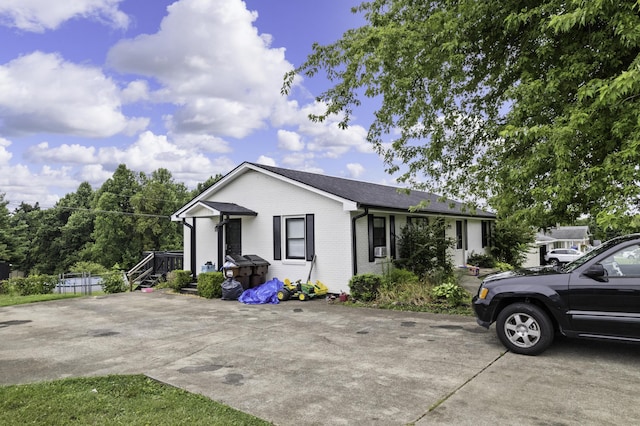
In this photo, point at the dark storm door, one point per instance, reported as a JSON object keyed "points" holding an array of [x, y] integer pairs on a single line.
{"points": [[233, 237]]}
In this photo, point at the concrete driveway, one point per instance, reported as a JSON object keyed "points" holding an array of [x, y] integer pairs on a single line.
{"points": [[313, 363]]}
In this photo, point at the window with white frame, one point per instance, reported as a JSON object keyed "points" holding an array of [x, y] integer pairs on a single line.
{"points": [[294, 238]]}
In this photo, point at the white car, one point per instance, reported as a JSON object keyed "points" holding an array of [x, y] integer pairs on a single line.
{"points": [[562, 255], [632, 254]]}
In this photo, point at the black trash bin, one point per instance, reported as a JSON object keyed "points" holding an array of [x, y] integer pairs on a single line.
{"points": [[244, 270], [259, 269]]}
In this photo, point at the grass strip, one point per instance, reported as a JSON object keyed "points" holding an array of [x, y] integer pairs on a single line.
{"points": [[10, 300], [113, 400]]}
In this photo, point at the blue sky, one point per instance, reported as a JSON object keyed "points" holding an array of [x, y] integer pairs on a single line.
{"points": [[192, 86]]}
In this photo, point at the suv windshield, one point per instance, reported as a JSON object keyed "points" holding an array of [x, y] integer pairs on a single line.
{"points": [[591, 254]]}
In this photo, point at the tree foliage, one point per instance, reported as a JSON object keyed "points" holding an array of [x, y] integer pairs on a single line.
{"points": [[511, 242], [531, 106], [424, 248], [113, 225]]}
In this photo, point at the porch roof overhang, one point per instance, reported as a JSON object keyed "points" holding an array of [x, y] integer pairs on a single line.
{"points": [[215, 208]]}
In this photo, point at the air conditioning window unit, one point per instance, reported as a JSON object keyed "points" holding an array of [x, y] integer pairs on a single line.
{"points": [[380, 251]]}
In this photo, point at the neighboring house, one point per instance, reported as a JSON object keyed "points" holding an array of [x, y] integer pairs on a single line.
{"points": [[577, 237], [287, 216]]}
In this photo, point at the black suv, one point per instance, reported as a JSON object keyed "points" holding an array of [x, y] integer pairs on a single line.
{"points": [[595, 296]]}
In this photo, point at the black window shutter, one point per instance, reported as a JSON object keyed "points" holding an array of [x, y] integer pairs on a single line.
{"points": [[309, 235], [392, 235], [277, 238], [466, 235], [370, 233]]}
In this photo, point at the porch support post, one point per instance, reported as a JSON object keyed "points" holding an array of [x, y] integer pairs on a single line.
{"points": [[354, 240], [192, 229]]}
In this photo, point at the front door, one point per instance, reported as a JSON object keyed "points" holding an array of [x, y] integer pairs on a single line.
{"points": [[233, 237]]}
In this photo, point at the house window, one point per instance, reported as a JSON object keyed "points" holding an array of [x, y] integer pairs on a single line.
{"points": [[418, 221], [458, 234], [379, 232], [294, 236], [461, 235], [486, 233]]}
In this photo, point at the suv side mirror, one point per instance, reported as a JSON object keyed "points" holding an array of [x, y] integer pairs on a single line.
{"points": [[597, 272]]}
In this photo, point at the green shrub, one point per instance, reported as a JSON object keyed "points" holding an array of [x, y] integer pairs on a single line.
{"points": [[178, 278], [113, 281], [209, 284], [397, 276], [4, 287], [503, 266], [92, 268], [481, 260], [364, 287], [33, 284], [424, 247], [452, 293]]}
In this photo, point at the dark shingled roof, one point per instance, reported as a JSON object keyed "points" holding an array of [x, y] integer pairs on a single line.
{"points": [[569, 232], [375, 195], [229, 208]]}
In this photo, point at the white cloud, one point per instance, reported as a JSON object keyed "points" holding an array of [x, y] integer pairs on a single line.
{"points": [[21, 185], [289, 141], [325, 137], [267, 161], [34, 87], [66, 154], [5, 155], [355, 170], [302, 161], [210, 61], [135, 91], [202, 143], [41, 15]]}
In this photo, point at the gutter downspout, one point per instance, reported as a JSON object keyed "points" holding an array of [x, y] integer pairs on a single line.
{"points": [[192, 249], [354, 251], [220, 228]]}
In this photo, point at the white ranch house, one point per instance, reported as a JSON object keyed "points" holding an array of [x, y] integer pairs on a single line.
{"points": [[286, 217]]}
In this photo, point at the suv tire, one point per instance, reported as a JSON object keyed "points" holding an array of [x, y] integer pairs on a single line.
{"points": [[524, 328]]}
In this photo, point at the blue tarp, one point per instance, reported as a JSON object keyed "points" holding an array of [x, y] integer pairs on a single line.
{"points": [[264, 293]]}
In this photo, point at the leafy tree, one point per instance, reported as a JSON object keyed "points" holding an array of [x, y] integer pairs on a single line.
{"points": [[4, 229], [75, 241], [45, 244], [114, 234], [158, 198], [423, 248], [202, 186], [23, 225], [532, 106], [511, 242]]}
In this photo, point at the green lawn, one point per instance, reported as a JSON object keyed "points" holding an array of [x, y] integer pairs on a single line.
{"points": [[113, 400], [8, 300]]}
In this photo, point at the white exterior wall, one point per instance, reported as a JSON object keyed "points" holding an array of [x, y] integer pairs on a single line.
{"points": [[362, 245], [270, 196], [273, 197], [458, 256]]}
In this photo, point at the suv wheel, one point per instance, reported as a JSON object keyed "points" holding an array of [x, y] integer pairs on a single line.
{"points": [[553, 262], [524, 328]]}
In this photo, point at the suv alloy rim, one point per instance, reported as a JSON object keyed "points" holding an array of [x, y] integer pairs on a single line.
{"points": [[522, 330]]}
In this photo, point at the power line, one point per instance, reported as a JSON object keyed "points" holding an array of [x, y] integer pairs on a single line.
{"points": [[98, 211]]}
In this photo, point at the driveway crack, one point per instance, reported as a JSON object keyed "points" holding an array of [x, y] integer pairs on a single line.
{"points": [[453, 392]]}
